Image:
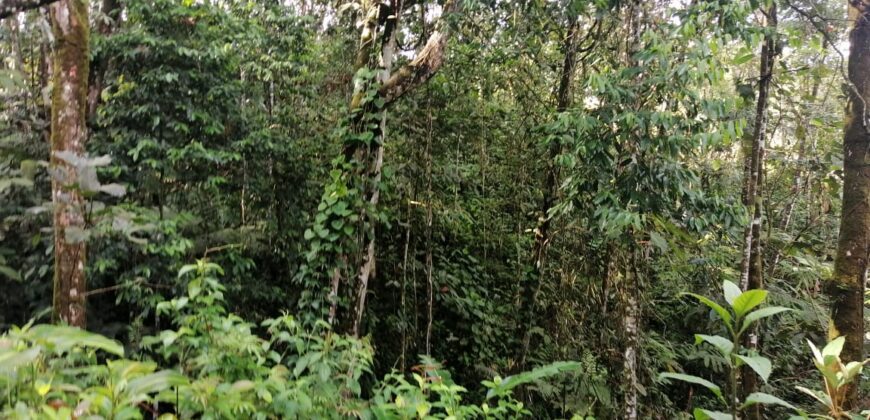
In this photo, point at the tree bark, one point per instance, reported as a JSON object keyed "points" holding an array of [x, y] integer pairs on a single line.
{"points": [[752, 167], [391, 87], [630, 330], [106, 25], [751, 275], [531, 289], [846, 286], [69, 19]]}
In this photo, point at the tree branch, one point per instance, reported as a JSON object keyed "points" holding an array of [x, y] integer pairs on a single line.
{"points": [[11, 7], [427, 62]]}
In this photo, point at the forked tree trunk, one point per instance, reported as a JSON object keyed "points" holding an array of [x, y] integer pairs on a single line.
{"points": [[846, 286], [69, 19], [383, 21]]}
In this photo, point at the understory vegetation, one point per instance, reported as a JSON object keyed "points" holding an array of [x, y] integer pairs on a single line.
{"points": [[458, 209]]}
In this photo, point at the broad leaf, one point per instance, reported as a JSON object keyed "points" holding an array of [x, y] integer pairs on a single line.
{"points": [[722, 312], [834, 348], [748, 300], [512, 382], [12, 359], [156, 382], [762, 313], [761, 365], [724, 345], [701, 414], [762, 398], [732, 292], [694, 380], [818, 395], [65, 338]]}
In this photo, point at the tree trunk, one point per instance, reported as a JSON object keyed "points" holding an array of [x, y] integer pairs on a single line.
{"points": [[752, 263], [381, 21], [846, 286], [751, 197], [69, 19], [628, 283], [107, 23], [532, 286]]}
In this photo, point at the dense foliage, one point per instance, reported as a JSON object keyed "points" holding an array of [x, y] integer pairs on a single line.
{"points": [[442, 209]]}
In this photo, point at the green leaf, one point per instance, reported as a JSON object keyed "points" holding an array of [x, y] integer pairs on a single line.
{"points": [[722, 312], [156, 382], [818, 395], [701, 414], [761, 365], [65, 338], [186, 269], [9, 272], [762, 313], [694, 380], [12, 359], [762, 398], [724, 345], [742, 59], [748, 300], [732, 292], [834, 348], [514, 381]]}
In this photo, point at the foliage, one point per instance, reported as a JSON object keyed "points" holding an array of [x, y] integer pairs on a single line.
{"points": [[742, 312]]}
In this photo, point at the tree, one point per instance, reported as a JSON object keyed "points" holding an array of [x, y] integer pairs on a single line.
{"points": [[357, 175], [751, 267], [846, 286], [69, 21]]}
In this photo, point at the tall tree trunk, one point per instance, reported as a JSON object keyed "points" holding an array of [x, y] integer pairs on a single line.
{"points": [[532, 284], [750, 197], [69, 19], [630, 329], [110, 11], [751, 274], [846, 287], [381, 21]]}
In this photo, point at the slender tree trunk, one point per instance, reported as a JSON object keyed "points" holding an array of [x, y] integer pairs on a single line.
{"points": [[106, 25], [630, 329], [751, 274], [381, 22], [846, 286], [430, 283], [751, 198], [375, 167], [532, 285], [69, 19]]}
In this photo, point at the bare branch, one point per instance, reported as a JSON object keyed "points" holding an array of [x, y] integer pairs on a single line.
{"points": [[427, 62], [11, 7]]}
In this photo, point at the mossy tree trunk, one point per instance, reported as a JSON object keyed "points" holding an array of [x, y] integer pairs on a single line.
{"points": [[69, 20], [846, 286]]}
